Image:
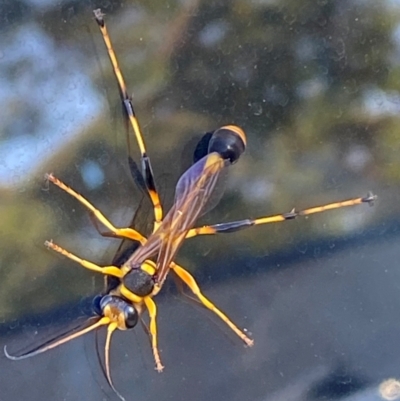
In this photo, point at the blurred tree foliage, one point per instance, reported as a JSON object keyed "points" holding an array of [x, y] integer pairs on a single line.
{"points": [[309, 81]]}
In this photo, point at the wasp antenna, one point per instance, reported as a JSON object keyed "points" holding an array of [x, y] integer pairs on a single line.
{"points": [[60, 340], [110, 330]]}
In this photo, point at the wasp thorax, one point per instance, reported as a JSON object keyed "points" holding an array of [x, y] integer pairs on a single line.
{"points": [[139, 282], [229, 142]]}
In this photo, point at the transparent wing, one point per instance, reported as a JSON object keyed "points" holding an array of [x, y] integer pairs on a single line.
{"points": [[193, 190], [192, 195], [200, 144]]}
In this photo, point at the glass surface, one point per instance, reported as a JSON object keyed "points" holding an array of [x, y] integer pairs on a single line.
{"points": [[315, 86]]}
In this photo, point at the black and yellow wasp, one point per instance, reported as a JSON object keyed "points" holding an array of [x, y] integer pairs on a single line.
{"points": [[134, 279]]}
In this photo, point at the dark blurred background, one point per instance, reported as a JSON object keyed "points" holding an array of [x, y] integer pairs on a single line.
{"points": [[315, 85]]}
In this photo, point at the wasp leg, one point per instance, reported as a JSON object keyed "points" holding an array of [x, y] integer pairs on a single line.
{"points": [[129, 233], [179, 286], [189, 280], [108, 270], [243, 224], [127, 103], [152, 308], [111, 234]]}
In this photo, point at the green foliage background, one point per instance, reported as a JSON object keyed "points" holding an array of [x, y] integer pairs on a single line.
{"points": [[298, 75]]}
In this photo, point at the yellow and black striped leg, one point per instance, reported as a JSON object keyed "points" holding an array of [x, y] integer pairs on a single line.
{"points": [[109, 270], [243, 224], [110, 234], [189, 280], [126, 99], [152, 308], [189, 298], [129, 233]]}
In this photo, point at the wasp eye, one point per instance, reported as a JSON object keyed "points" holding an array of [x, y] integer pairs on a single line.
{"points": [[202, 147], [131, 316], [96, 305]]}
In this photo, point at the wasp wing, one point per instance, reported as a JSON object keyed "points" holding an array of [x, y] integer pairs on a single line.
{"points": [[193, 190], [200, 143]]}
